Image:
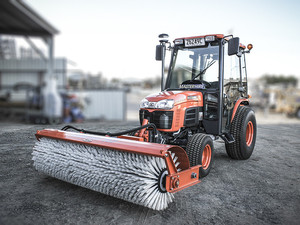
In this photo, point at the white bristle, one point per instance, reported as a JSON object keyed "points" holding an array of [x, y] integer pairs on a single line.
{"points": [[128, 176]]}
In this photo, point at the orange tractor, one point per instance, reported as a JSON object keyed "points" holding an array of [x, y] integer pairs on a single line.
{"points": [[203, 98]]}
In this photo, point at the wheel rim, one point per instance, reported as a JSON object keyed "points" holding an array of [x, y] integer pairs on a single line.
{"points": [[249, 133], [206, 157]]}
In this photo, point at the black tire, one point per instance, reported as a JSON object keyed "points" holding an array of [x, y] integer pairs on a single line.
{"points": [[243, 129], [200, 145], [298, 113]]}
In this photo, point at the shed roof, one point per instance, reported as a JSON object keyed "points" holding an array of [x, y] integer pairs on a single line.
{"points": [[17, 18]]}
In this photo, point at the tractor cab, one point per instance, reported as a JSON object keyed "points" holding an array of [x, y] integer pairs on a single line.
{"points": [[214, 66]]}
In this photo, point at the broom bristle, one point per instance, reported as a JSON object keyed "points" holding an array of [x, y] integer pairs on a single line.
{"points": [[128, 176]]}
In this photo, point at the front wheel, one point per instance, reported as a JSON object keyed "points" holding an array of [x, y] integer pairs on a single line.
{"points": [[200, 150], [243, 129]]}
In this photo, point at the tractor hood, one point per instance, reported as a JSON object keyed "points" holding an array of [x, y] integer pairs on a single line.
{"points": [[178, 97]]}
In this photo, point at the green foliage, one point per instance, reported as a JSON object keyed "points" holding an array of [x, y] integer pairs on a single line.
{"points": [[280, 79]]}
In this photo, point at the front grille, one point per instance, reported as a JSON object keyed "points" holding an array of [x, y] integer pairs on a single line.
{"points": [[161, 119], [191, 116]]}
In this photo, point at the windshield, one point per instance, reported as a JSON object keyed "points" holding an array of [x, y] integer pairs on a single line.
{"points": [[194, 68]]}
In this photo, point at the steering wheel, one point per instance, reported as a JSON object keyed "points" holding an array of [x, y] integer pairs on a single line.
{"points": [[206, 83]]}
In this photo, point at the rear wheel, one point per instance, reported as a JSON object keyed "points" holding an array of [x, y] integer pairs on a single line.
{"points": [[243, 129], [200, 150]]}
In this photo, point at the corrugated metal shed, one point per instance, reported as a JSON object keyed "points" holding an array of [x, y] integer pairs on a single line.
{"points": [[30, 71], [29, 64]]}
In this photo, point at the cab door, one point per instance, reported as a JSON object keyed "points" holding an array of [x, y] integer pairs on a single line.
{"points": [[235, 85]]}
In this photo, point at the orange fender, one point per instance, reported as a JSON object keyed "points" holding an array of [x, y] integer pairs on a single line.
{"points": [[242, 101]]}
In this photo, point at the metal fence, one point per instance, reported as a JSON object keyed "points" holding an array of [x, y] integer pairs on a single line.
{"points": [[103, 104]]}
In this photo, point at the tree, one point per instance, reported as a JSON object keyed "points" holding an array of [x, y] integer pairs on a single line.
{"points": [[280, 79]]}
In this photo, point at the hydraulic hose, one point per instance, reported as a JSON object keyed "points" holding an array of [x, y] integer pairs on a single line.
{"points": [[152, 125]]}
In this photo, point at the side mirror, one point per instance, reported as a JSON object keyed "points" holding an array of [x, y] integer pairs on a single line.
{"points": [[159, 52], [233, 46]]}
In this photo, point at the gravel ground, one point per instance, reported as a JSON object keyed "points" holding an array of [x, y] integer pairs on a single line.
{"points": [[262, 190]]}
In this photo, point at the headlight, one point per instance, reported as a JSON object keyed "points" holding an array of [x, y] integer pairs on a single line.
{"points": [[144, 103], [165, 104]]}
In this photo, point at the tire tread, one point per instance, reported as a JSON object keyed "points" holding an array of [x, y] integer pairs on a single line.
{"points": [[234, 149], [194, 150]]}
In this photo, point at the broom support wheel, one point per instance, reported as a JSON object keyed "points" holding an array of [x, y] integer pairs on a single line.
{"points": [[162, 181]]}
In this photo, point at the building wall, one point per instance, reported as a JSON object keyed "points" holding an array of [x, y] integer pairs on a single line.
{"points": [[30, 71], [10, 79]]}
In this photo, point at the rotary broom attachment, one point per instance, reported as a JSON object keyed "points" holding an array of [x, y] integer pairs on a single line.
{"points": [[128, 176], [139, 172]]}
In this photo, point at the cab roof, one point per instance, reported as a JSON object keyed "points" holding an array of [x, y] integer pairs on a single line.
{"points": [[203, 36]]}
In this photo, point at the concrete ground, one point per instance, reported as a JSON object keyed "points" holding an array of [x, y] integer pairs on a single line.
{"points": [[262, 190]]}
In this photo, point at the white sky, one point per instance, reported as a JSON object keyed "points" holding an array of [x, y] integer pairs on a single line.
{"points": [[118, 37]]}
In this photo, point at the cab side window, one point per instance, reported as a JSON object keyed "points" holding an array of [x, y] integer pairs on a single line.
{"points": [[231, 84], [231, 67]]}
